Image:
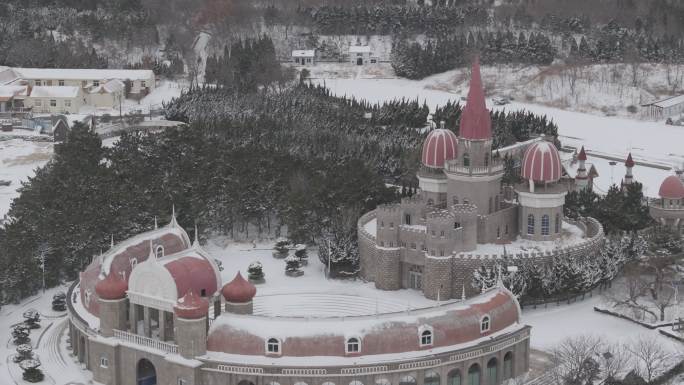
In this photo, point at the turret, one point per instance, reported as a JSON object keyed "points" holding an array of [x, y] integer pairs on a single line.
{"points": [[239, 294], [582, 177], [629, 165], [113, 303], [191, 324]]}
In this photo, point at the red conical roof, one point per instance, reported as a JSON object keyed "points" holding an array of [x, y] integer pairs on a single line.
{"points": [[582, 155], [629, 162], [476, 123], [239, 290], [111, 287], [191, 306]]}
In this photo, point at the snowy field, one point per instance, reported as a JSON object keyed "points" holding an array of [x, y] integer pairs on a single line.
{"points": [[18, 160], [648, 141]]}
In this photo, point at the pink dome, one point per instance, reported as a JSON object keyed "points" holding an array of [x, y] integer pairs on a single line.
{"points": [[191, 306], [542, 163], [111, 287], [672, 188], [439, 146], [239, 290]]}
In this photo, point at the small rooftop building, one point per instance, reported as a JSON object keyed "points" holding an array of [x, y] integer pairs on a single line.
{"points": [[664, 108], [361, 55], [304, 57]]}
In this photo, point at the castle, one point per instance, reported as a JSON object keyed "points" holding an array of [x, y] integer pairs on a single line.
{"points": [[464, 216], [154, 310]]}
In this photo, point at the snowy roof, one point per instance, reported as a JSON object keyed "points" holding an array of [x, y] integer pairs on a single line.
{"points": [[359, 48], [571, 165], [111, 86], [54, 92], [668, 102], [303, 53], [8, 92], [7, 75], [83, 74]]}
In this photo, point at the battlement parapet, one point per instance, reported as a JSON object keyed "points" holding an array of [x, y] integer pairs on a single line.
{"points": [[466, 208]]}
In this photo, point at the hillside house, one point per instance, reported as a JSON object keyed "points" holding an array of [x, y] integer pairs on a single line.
{"points": [[108, 95], [56, 99], [12, 98], [361, 55], [304, 57]]}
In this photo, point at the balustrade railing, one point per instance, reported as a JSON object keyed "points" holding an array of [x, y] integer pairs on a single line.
{"points": [[471, 170], [146, 341]]}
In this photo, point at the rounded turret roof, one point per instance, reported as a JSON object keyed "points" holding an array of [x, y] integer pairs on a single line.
{"points": [[672, 188], [439, 146], [112, 287], [239, 290], [542, 163]]}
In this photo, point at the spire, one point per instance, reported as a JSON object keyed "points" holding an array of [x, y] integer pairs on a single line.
{"points": [[499, 279], [463, 297], [476, 123], [173, 222], [582, 155], [155, 223], [629, 162], [112, 244], [151, 256]]}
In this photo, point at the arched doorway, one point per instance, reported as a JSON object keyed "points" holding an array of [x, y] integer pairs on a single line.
{"points": [[492, 367], [508, 366], [359, 62], [474, 375], [146, 374]]}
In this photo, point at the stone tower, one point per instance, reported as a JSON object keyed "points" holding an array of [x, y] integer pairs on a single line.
{"points": [[191, 325], [113, 303], [474, 177]]}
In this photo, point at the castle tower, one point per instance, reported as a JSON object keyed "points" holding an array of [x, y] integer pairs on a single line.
{"points": [[439, 147], [474, 177], [239, 294], [113, 304], [541, 196], [191, 325], [629, 165], [582, 178]]}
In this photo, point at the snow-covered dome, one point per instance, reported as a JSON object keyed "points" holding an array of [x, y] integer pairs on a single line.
{"points": [[542, 163], [111, 287], [239, 290], [191, 306], [672, 188], [439, 146]]}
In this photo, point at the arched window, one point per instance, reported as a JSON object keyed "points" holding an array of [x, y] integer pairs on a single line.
{"points": [[485, 324], [466, 160], [134, 262], [454, 377], [431, 378], [508, 366], [407, 219], [545, 225], [407, 380], [558, 223], [273, 346], [491, 371], [457, 225], [426, 337], [530, 224], [159, 251], [474, 375], [353, 345]]}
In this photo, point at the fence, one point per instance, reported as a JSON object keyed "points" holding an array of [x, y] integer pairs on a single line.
{"points": [[563, 299], [145, 341]]}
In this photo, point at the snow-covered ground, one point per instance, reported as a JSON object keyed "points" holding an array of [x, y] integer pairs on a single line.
{"points": [[648, 141], [49, 343], [18, 160]]}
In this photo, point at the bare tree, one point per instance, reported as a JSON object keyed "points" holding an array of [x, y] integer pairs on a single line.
{"points": [[575, 359], [651, 357]]}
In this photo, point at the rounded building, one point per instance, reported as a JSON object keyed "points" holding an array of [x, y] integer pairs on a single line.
{"points": [[668, 209], [153, 310]]}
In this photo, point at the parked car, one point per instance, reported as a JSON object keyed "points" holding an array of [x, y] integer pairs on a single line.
{"points": [[501, 100]]}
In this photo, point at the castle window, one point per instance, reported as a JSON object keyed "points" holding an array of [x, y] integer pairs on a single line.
{"points": [[391, 225], [423, 247], [159, 252], [530, 224], [485, 324], [353, 345], [498, 232], [273, 346], [441, 252], [466, 160], [426, 337], [545, 225], [457, 225], [407, 219], [104, 362], [203, 293], [558, 223], [441, 233]]}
